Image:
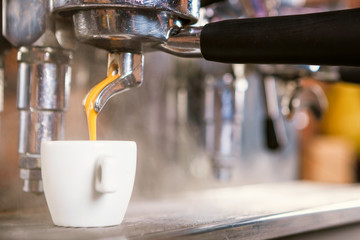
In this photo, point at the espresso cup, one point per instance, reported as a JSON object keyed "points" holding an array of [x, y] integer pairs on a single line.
{"points": [[88, 183]]}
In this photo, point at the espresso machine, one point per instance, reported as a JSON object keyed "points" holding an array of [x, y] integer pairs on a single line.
{"points": [[47, 34], [224, 122]]}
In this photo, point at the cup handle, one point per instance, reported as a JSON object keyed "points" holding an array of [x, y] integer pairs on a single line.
{"points": [[107, 180]]}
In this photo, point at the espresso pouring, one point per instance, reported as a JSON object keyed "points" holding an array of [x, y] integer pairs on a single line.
{"points": [[90, 99]]}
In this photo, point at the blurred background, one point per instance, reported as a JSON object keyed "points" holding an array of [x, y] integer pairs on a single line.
{"points": [[202, 125]]}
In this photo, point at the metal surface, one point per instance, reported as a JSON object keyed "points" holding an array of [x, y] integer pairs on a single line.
{"points": [[4, 43], [186, 9], [128, 26], [224, 109], [43, 93], [24, 23], [291, 72], [249, 212], [299, 98], [130, 68], [44, 78], [33, 24], [123, 29], [183, 42]]}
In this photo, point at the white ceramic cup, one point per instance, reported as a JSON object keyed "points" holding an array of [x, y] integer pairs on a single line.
{"points": [[88, 183]]}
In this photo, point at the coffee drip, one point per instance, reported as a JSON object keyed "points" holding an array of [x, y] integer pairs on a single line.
{"points": [[124, 72], [89, 102]]}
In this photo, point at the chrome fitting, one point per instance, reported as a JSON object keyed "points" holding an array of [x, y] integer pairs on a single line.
{"points": [[43, 94]]}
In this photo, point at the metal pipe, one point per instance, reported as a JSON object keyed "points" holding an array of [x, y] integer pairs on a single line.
{"points": [[224, 109], [43, 94]]}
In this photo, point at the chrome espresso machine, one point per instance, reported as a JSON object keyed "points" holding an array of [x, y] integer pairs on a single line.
{"points": [[199, 124]]}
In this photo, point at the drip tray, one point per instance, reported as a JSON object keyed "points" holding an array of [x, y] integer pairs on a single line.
{"points": [[247, 212]]}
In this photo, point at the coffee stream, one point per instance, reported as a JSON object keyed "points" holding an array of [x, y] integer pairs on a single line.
{"points": [[90, 99]]}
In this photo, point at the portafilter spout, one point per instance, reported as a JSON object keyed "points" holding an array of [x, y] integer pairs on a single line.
{"points": [[129, 67], [127, 29]]}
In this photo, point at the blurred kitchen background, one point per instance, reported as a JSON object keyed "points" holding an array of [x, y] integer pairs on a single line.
{"points": [[201, 125]]}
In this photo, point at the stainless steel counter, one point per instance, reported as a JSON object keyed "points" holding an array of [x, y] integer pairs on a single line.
{"points": [[247, 212]]}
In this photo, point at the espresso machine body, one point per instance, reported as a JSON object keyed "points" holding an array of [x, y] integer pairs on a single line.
{"points": [[49, 33]]}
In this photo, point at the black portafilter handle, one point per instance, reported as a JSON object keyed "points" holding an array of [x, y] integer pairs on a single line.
{"points": [[327, 38]]}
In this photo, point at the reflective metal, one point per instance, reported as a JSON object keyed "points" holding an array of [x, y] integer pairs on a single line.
{"points": [[43, 94], [286, 71], [299, 98], [185, 9], [124, 30], [224, 110], [327, 74], [127, 25], [183, 42], [44, 78], [24, 23], [33, 24], [130, 68], [34, 186], [247, 212]]}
